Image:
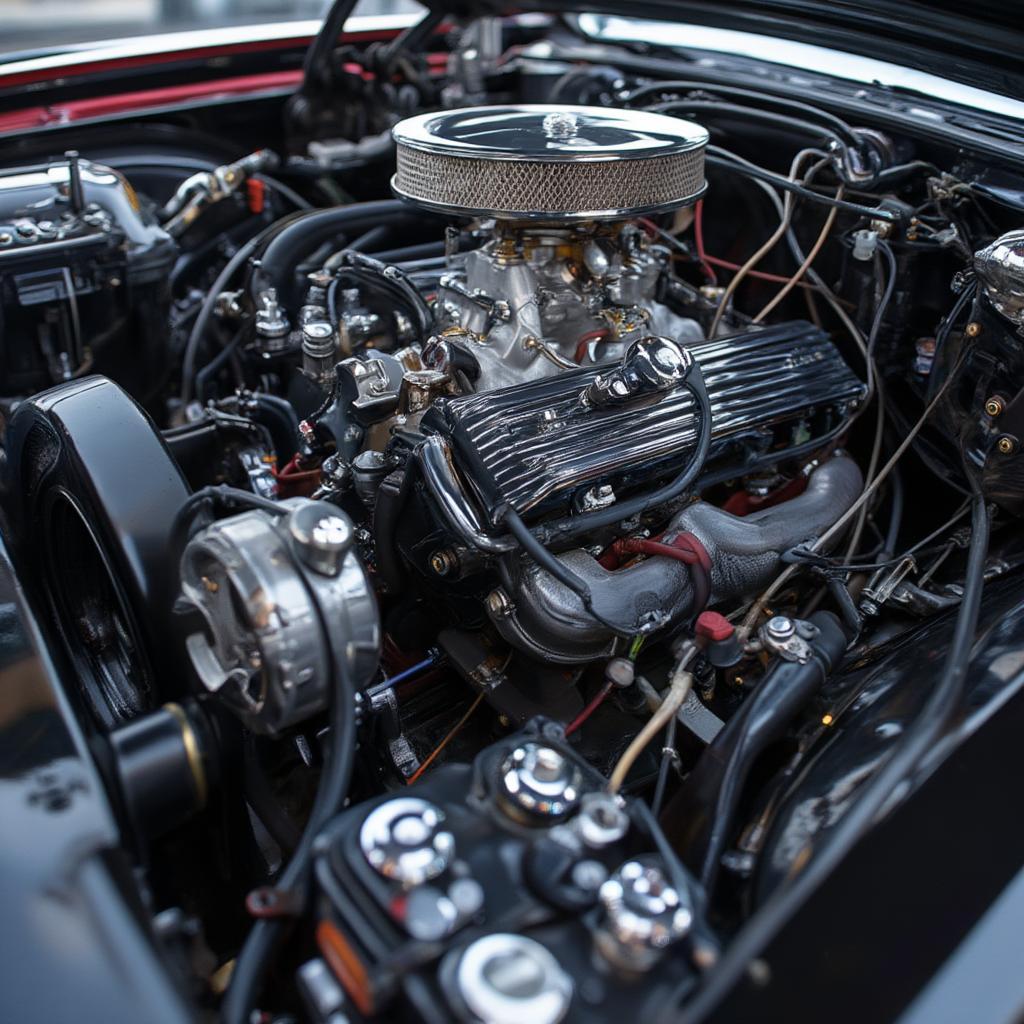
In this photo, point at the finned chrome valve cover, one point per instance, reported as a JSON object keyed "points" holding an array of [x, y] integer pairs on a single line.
{"points": [[526, 445], [540, 162]]}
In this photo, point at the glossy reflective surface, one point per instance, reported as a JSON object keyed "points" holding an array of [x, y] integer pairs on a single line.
{"points": [[546, 132]]}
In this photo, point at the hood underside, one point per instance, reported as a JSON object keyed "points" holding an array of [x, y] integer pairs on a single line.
{"points": [[978, 44]]}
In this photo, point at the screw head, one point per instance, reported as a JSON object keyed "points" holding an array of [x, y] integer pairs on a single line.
{"points": [[994, 406], [444, 562], [1007, 445], [498, 604], [973, 329], [780, 627], [323, 535]]}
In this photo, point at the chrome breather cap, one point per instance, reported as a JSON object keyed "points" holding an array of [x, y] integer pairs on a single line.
{"points": [[1000, 269], [542, 162]]}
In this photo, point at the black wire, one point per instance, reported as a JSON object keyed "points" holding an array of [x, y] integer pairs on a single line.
{"points": [[206, 499], [265, 935], [831, 847], [700, 107], [666, 761], [198, 332], [718, 157], [942, 334], [887, 293], [394, 282], [556, 567], [216, 363], [839, 126], [897, 496]]}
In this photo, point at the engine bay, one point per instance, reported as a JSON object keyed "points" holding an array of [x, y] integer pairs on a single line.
{"points": [[467, 511]]}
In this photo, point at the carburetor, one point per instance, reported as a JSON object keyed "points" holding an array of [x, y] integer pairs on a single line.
{"points": [[568, 274]]}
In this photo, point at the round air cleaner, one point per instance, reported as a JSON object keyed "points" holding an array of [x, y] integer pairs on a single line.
{"points": [[539, 162]]}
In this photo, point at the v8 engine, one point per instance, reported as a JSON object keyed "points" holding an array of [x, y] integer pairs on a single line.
{"points": [[494, 541]]}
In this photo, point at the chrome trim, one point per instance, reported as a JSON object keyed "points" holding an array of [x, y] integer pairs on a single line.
{"points": [[531, 442], [545, 163], [434, 458], [638, 134]]}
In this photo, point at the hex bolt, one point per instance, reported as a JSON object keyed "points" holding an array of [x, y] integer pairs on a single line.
{"points": [[1007, 445], [323, 535], [973, 329], [498, 604], [780, 628], [444, 562], [549, 764], [994, 406]]}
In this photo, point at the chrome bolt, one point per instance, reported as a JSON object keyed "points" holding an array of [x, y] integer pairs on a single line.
{"points": [[444, 562], [994, 406], [780, 628], [1007, 445], [498, 604]]}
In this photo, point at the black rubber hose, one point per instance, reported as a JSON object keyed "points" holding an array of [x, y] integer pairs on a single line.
{"points": [[316, 68], [305, 234], [862, 814], [718, 157], [392, 497], [265, 935], [195, 338], [215, 365], [706, 806], [837, 124], [379, 276], [573, 526], [816, 131], [278, 416]]}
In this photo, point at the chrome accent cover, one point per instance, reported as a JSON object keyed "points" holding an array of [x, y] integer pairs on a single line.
{"points": [[535, 161], [533, 442]]}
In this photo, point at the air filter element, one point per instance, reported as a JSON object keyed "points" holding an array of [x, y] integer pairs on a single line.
{"points": [[535, 162]]}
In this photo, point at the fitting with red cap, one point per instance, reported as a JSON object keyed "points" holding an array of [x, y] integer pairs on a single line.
{"points": [[717, 635]]}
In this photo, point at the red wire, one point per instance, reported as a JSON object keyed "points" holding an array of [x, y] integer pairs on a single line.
{"points": [[581, 346], [763, 275], [698, 237], [589, 709]]}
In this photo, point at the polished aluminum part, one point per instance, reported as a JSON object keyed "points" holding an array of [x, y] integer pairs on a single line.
{"points": [[788, 638], [322, 537], [510, 979], [320, 989], [539, 782], [319, 352], [644, 914], [650, 367], [264, 587], [407, 840], [1000, 269], [548, 621], [204, 189], [38, 197], [525, 303], [525, 445], [602, 820], [541, 162]]}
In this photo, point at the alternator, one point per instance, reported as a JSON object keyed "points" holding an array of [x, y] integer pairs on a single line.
{"points": [[285, 604]]}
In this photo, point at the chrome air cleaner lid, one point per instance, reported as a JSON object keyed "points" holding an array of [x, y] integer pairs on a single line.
{"points": [[539, 162]]}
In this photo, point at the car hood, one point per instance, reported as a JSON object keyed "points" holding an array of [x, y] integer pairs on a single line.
{"points": [[979, 44]]}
